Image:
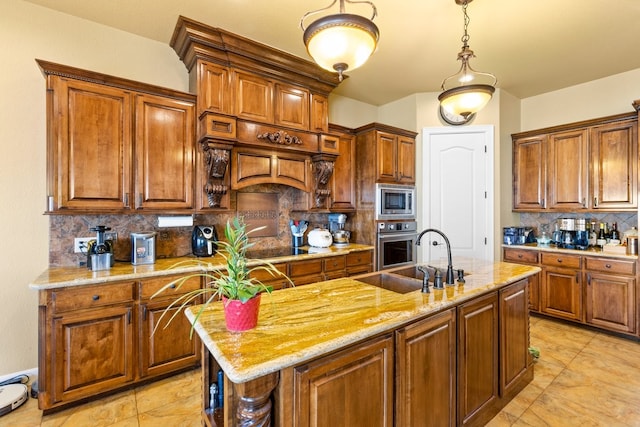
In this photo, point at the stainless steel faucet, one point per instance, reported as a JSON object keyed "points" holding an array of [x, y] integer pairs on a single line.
{"points": [[449, 280]]}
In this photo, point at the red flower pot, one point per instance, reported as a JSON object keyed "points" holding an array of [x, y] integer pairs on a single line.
{"points": [[241, 317]]}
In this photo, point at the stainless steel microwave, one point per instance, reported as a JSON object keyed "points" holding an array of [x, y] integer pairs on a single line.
{"points": [[394, 201]]}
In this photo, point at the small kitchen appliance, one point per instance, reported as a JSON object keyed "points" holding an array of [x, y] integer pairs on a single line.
{"points": [[336, 227], [143, 248], [518, 235], [297, 232], [568, 229], [395, 202], [204, 240], [320, 238], [100, 250]]}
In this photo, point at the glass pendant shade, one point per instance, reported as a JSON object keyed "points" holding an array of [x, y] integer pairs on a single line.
{"points": [[466, 100], [342, 41]]}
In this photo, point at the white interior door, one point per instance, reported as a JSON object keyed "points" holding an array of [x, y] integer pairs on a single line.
{"points": [[457, 191]]}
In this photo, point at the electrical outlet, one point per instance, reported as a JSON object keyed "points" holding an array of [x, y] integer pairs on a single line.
{"points": [[81, 244], [111, 235]]}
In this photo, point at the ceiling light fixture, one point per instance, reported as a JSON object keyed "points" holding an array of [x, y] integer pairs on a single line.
{"points": [[341, 41], [468, 95]]}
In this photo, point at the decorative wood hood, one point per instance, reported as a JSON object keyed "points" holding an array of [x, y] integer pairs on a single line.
{"points": [[262, 111]]}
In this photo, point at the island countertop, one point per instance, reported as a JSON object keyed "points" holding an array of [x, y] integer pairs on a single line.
{"points": [[58, 277], [298, 324]]}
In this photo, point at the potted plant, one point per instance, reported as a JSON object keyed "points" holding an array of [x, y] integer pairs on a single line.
{"points": [[240, 293]]}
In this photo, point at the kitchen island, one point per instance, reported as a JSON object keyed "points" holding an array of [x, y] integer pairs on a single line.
{"points": [[343, 352]]}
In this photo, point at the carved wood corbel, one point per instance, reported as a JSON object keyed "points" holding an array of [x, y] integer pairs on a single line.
{"points": [[216, 161], [322, 171]]}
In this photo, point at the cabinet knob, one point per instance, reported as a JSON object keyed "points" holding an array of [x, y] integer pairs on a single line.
{"points": [[559, 260], [172, 286], [607, 265], [95, 297], [520, 256]]}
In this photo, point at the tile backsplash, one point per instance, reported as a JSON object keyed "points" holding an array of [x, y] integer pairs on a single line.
{"points": [[540, 221], [174, 241]]}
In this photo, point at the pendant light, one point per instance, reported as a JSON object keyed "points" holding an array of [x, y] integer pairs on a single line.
{"points": [[342, 41], [467, 95]]}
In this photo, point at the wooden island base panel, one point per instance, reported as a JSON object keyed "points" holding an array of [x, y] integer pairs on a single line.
{"points": [[345, 353]]}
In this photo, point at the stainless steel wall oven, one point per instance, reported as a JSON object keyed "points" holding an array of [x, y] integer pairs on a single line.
{"points": [[396, 244]]}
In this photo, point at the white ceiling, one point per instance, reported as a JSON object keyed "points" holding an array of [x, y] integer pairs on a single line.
{"points": [[533, 46]]}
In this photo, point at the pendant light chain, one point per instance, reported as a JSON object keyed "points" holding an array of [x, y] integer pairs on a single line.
{"points": [[465, 37]]}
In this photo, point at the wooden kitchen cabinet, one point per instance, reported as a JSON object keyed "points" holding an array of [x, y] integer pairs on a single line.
{"points": [[96, 339], [350, 388], [515, 358], [306, 271], [561, 286], [343, 180], [478, 363], [334, 267], [268, 279], [359, 262], [587, 166], [164, 147], [256, 166], [386, 153], [86, 341], [165, 347], [426, 372], [527, 257], [116, 145], [614, 165], [610, 296]]}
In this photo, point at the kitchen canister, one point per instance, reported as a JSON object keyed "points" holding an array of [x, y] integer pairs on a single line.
{"points": [[632, 245]]}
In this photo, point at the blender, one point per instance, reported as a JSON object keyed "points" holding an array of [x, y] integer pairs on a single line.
{"points": [[336, 227]]}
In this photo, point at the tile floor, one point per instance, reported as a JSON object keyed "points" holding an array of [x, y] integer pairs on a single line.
{"points": [[583, 378]]}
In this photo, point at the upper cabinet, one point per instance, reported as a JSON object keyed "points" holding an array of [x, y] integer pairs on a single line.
{"points": [[585, 166], [386, 153], [112, 143]]}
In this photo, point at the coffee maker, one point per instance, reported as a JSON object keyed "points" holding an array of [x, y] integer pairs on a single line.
{"points": [[336, 227], [100, 250]]}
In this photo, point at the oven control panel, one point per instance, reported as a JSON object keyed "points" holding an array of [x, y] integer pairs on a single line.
{"points": [[395, 227]]}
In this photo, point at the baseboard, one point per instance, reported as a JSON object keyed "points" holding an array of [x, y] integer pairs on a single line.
{"points": [[31, 373]]}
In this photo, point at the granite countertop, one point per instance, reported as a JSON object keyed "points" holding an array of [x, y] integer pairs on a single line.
{"points": [[589, 252], [299, 324], [57, 277]]}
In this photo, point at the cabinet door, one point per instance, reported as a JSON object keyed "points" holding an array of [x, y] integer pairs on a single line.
{"points": [[319, 113], [514, 335], [614, 155], [254, 98], [343, 180], [406, 160], [387, 157], [170, 347], [353, 388], [89, 146], [530, 173], [291, 106], [426, 372], [567, 172], [214, 88], [164, 153], [611, 301], [562, 293], [477, 360], [93, 352]]}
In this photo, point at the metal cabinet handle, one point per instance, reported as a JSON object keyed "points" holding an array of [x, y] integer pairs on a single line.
{"points": [[607, 265], [172, 286], [559, 260], [144, 312], [589, 279], [95, 297], [595, 201], [520, 256]]}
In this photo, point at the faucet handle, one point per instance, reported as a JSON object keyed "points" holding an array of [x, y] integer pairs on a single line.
{"points": [[461, 276]]}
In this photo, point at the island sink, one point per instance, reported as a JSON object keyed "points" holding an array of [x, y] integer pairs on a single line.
{"points": [[392, 282]]}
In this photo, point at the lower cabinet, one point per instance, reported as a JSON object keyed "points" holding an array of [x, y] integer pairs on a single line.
{"points": [[92, 352], [478, 371], [425, 372], [351, 388], [98, 338], [515, 358]]}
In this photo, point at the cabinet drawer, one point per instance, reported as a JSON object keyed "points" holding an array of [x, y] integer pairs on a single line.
{"points": [[335, 263], [560, 260], [611, 266], [81, 297], [360, 258], [521, 255], [151, 286], [304, 268], [265, 276]]}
